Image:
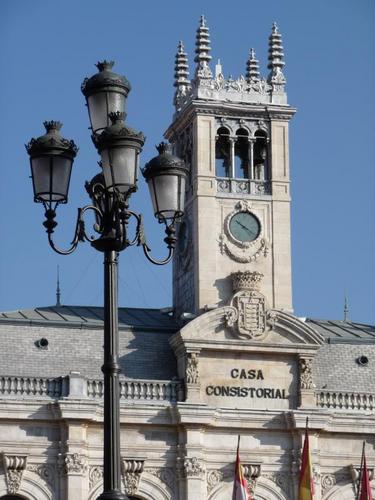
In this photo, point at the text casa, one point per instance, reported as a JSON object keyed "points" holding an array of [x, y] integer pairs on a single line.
{"points": [[247, 374]]}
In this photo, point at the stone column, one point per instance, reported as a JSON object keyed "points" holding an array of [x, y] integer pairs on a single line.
{"points": [[73, 463], [191, 466]]}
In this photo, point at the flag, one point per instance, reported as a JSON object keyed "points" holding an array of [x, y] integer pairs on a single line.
{"points": [[306, 484], [240, 489], [364, 485]]}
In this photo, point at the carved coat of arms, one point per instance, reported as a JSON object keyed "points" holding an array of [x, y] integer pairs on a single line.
{"points": [[246, 314]]}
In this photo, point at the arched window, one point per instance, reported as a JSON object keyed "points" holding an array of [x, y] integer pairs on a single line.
{"points": [[241, 155], [260, 156], [222, 153]]}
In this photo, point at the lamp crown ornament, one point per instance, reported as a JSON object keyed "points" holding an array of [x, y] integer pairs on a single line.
{"points": [[52, 125], [104, 78], [246, 280], [105, 65], [52, 140], [117, 116], [164, 147]]}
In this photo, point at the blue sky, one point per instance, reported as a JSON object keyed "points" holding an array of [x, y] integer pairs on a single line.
{"points": [[48, 47]]}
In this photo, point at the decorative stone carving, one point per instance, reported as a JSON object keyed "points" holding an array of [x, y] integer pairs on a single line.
{"points": [[95, 475], [46, 471], [240, 251], [246, 314], [305, 371], [74, 463], [328, 481], [251, 473], [214, 477], [166, 475], [192, 368], [14, 466], [193, 467], [132, 470]]}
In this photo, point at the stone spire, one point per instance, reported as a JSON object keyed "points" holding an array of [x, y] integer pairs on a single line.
{"points": [[202, 50], [181, 69], [181, 76], [252, 68], [275, 57]]}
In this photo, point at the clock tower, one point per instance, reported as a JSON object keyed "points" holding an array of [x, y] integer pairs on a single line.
{"points": [[233, 135]]}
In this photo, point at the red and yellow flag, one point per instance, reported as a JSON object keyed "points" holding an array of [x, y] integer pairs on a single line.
{"points": [[365, 488], [240, 489], [306, 484]]}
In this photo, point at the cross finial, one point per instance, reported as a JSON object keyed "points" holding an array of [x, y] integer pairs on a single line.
{"points": [[346, 309], [58, 293]]}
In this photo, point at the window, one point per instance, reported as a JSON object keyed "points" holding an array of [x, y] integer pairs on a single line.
{"points": [[241, 155], [222, 153]]}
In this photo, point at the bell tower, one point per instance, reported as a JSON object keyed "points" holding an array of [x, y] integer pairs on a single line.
{"points": [[233, 135]]}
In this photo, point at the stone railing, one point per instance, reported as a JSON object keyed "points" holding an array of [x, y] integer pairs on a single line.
{"points": [[141, 390], [342, 400], [145, 390], [30, 386], [242, 186]]}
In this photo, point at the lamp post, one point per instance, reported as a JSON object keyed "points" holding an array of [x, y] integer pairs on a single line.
{"points": [[119, 146]]}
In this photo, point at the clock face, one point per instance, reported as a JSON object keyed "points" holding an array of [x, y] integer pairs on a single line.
{"points": [[244, 226]]}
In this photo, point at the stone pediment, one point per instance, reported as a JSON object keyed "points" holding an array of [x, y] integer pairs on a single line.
{"points": [[278, 330], [230, 361]]}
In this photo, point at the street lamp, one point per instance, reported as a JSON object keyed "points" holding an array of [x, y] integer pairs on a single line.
{"points": [[119, 146]]}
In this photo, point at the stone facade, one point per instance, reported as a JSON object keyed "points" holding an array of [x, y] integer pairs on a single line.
{"points": [[232, 359]]}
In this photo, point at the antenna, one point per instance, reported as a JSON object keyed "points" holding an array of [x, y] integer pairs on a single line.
{"points": [[346, 309], [58, 293]]}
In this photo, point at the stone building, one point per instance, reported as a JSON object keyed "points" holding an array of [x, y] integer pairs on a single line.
{"points": [[230, 358]]}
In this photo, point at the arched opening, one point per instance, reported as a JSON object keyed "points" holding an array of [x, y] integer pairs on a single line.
{"points": [[13, 497], [222, 153], [241, 155], [260, 156]]}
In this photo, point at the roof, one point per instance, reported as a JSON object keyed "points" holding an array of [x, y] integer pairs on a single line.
{"points": [[75, 343], [343, 332], [334, 331], [90, 317]]}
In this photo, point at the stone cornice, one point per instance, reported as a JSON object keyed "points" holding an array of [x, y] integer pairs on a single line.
{"points": [[233, 110]]}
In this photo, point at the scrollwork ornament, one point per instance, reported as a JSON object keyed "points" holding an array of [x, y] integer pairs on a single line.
{"points": [[164, 474], [95, 475], [46, 472], [328, 481], [214, 477]]}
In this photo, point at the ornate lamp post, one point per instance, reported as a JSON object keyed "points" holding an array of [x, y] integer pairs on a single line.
{"points": [[51, 159]]}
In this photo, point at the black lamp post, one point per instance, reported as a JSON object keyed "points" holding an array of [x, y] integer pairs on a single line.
{"points": [[51, 158]]}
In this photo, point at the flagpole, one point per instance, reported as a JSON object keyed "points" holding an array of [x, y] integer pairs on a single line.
{"points": [[361, 470]]}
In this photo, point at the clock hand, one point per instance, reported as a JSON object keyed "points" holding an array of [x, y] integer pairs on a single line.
{"points": [[245, 227]]}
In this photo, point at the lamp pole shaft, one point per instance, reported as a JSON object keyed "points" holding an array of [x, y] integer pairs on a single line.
{"points": [[111, 371]]}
